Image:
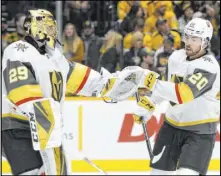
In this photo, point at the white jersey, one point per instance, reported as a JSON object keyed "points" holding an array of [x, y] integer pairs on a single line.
{"points": [[29, 75], [195, 96]]}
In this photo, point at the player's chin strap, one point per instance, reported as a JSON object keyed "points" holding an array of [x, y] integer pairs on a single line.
{"points": [[83, 157]]}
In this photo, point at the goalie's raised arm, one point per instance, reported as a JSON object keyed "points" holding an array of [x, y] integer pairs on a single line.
{"points": [[118, 86]]}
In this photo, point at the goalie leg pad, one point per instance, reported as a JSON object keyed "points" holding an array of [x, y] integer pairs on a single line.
{"points": [[54, 161], [45, 123]]}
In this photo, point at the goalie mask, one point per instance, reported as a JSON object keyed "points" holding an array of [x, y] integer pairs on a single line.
{"points": [[41, 25]]}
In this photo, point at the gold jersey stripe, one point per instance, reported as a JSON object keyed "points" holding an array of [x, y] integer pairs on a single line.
{"points": [[26, 92], [198, 122], [16, 116], [185, 93], [76, 78]]}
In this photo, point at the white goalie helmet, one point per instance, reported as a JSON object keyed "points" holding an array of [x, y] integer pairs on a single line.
{"points": [[199, 27]]}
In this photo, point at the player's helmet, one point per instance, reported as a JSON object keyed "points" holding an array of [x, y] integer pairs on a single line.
{"points": [[201, 28], [41, 25]]}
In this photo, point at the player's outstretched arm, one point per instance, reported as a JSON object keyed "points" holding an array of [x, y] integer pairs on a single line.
{"points": [[118, 86], [195, 85]]}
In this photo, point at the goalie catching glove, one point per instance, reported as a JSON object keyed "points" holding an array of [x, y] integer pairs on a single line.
{"points": [[121, 85], [144, 110]]}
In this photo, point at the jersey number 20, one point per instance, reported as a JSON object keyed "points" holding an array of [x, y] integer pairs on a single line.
{"points": [[198, 80]]}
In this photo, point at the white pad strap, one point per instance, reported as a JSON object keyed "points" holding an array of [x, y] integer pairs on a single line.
{"points": [[31, 172], [186, 171], [162, 172]]}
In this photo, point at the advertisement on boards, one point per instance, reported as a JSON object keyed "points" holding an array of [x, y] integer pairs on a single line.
{"points": [[106, 134]]}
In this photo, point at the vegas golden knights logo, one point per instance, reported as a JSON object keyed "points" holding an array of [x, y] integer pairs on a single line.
{"points": [[57, 85]]}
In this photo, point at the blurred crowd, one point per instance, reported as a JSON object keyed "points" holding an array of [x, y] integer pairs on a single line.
{"points": [[116, 34]]}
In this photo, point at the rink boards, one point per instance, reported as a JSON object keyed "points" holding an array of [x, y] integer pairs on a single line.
{"points": [[107, 135]]}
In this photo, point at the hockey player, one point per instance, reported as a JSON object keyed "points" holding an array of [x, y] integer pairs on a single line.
{"points": [[186, 140], [35, 78]]}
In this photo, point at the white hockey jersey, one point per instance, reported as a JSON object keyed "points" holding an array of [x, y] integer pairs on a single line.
{"points": [[29, 75], [195, 96]]}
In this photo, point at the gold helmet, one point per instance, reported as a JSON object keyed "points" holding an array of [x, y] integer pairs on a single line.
{"points": [[41, 25]]}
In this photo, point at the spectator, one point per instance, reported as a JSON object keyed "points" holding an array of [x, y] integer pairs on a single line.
{"points": [[162, 55], [110, 51], [197, 5], [19, 20], [92, 45], [163, 30], [147, 41], [4, 33], [148, 8], [210, 14], [178, 8], [137, 26], [73, 45], [123, 8], [132, 57], [127, 24], [20, 32], [147, 58], [169, 6], [77, 12], [186, 17], [212, 17], [160, 11]]}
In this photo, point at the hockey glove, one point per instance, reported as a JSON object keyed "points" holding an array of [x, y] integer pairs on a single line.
{"points": [[144, 110], [149, 80]]}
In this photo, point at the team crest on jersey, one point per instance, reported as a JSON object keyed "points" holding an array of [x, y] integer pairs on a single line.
{"points": [[192, 25], [21, 47], [57, 85]]}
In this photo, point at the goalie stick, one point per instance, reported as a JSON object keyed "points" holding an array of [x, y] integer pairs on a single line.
{"points": [[43, 158], [145, 133]]}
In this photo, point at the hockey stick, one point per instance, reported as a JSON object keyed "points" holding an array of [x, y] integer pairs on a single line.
{"points": [[146, 133], [84, 158], [94, 165]]}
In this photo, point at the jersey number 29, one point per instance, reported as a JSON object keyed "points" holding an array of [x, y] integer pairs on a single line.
{"points": [[19, 73]]}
